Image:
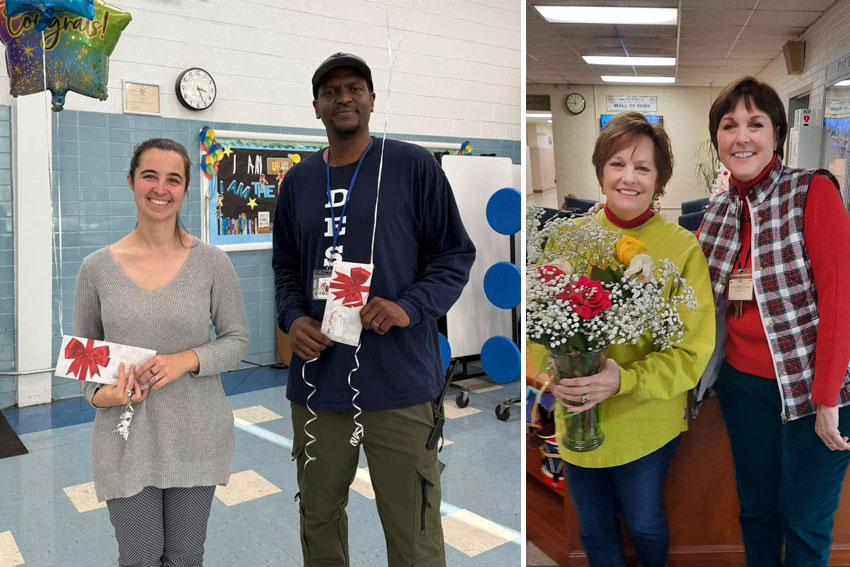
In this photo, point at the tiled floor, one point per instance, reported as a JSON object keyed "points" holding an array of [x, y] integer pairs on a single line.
{"points": [[50, 518], [535, 557]]}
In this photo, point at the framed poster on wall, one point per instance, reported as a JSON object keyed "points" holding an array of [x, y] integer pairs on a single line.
{"points": [[238, 202]]}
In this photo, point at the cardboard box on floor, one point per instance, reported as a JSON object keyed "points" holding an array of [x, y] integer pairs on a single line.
{"points": [[284, 351]]}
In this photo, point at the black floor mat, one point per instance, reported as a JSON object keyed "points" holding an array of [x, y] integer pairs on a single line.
{"points": [[10, 443]]}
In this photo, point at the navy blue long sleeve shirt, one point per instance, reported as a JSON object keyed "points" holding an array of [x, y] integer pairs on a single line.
{"points": [[422, 260]]}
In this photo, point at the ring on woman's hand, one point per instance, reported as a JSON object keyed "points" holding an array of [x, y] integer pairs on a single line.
{"points": [[583, 399], [130, 392], [375, 324]]}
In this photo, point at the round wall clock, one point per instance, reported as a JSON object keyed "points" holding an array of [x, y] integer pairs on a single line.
{"points": [[575, 103], [195, 89]]}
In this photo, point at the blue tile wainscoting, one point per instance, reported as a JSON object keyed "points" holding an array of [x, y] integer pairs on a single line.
{"points": [[7, 262]]}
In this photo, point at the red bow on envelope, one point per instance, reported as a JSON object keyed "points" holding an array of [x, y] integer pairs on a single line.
{"points": [[85, 358], [350, 289]]}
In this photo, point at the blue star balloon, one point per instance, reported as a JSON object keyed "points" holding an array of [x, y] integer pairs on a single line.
{"points": [[48, 8], [76, 51]]}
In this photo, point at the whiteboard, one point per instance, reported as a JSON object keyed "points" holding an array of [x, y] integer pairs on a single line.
{"points": [[473, 319]]}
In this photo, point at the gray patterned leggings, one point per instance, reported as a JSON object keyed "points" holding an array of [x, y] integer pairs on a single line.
{"points": [[162, 527]]}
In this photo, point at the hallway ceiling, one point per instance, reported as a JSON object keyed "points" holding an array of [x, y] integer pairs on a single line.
{"points": [[714, 42]]}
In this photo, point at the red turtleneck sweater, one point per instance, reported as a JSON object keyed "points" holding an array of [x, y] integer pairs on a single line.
{"points": [[639, 220], [826, 232]]}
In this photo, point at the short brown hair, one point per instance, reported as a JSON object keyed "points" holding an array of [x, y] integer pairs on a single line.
{"points": [[754, 92], [625, 129]]}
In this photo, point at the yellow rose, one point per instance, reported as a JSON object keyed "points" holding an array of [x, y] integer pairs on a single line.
{"points": [[627, 248]]}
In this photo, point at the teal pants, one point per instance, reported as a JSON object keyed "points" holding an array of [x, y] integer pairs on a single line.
{"points": [[405, 477], [789, 483]]}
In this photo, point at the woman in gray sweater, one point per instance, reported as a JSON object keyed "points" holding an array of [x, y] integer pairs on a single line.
{"points": [[159, 288]]}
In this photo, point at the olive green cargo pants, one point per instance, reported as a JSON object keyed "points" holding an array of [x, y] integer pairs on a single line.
{"points": [[405, 477]]}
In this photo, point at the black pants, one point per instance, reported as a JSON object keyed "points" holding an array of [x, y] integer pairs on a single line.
{"points": [[162, 527]]}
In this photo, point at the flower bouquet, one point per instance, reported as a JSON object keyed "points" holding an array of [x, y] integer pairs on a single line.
{"points": [[588, 287]]}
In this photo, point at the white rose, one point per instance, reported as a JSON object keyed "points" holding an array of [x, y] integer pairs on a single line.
{"points": [[561, 264], [642, 267]]}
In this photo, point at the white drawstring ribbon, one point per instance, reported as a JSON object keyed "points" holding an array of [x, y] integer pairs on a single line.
{"points": [[312, 393], [124, 422]]}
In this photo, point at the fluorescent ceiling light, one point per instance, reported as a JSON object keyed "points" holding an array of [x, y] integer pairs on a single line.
{"points": [[549, 121], [633, 79], [842, 83], [647, 61], [539, 115], [608, 15]]}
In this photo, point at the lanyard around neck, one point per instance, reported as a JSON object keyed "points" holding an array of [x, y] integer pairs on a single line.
{"points": [[337, 225]]}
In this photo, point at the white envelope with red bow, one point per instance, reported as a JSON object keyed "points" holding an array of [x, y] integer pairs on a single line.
{"points": [[347, 294], [97, 361]]}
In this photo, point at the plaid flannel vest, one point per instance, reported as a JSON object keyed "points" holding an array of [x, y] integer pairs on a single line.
{"points": [[782, 275]]}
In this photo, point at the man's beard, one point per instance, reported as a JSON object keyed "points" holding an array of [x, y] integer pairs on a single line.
{"points": [[347, 131]]}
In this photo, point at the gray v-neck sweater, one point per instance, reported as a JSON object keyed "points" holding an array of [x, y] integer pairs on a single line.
{"points": [[181, 435]]}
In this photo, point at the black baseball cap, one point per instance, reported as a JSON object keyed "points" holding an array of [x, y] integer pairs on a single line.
{"points": [[341, 60]]}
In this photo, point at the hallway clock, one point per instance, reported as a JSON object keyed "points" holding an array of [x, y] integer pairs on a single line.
{"points": [[575, 103], [195, 89]]}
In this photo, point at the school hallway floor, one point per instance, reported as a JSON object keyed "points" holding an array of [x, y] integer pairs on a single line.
{"points": [[49, 516]]}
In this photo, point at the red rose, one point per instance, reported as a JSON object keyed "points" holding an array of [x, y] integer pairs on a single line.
{"points": [[587, 297], [548, 273]]}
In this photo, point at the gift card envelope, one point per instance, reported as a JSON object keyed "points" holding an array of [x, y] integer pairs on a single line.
{"points": [[97, 361]]}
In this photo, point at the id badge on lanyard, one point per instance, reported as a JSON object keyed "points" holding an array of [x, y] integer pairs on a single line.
{"points": [[321, 284], [741, 285]]}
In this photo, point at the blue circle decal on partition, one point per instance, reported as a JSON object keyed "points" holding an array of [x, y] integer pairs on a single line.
{"points": [[500, 358], [504, 211], [445, 351], [502, 284]]}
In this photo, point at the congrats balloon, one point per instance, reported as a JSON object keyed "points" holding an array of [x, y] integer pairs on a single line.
{"points": [[48, 8], [76, 50]]}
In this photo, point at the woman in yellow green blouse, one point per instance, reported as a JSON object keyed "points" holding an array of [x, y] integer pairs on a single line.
{"points": [[642, 392]]}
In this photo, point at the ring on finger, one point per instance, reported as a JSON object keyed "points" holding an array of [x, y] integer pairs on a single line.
{"points": [[375, 324], [130, 392], [583, 399]]}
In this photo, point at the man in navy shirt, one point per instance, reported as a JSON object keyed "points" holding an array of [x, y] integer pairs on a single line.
{"points": [[333, 208]]}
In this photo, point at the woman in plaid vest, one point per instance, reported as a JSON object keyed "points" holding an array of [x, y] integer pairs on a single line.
{"points": [[774, 243]]}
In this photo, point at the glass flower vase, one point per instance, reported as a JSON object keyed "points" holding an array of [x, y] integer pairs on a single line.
{"points": [[580, 432]]}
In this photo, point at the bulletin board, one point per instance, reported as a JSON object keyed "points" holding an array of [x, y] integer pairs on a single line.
{"points": [[239, 201]]}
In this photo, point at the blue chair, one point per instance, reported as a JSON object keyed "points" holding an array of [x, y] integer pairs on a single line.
{"points": [[578, 206], [550, 214], [691, 221], [694, 206]]}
